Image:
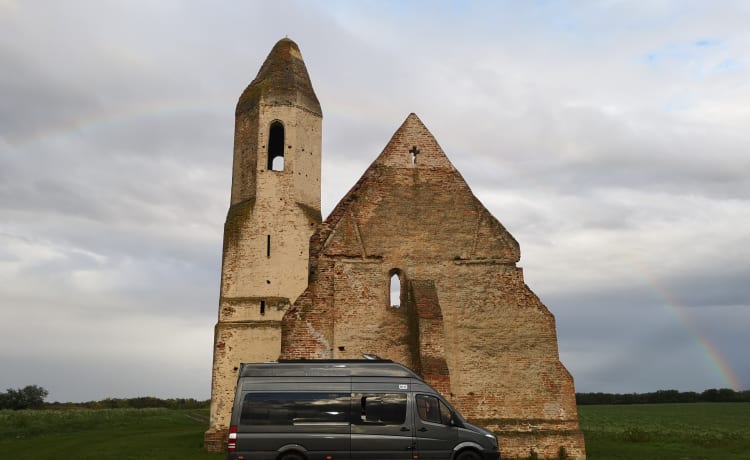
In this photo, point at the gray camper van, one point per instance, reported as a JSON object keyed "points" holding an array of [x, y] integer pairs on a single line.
{"points": [[347, 410]]}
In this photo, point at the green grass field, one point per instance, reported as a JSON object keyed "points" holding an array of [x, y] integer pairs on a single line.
{"points": [[104, 434], [710, 431]]}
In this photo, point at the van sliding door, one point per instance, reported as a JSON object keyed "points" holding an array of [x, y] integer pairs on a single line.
{"points": [[381, 426]]}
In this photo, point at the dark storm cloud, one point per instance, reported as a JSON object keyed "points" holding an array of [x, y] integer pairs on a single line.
{"points": [[623, 177], [610, 152]]}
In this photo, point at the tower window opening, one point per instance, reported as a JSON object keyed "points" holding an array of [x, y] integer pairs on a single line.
{"points": [[268, 245], [276, 147], [395, 291], [262, 307]]}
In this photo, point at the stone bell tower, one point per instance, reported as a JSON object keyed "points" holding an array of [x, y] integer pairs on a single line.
{"points": [[274, 209]]}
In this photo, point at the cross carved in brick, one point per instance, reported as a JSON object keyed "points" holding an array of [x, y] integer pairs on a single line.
{"points": [[414, 152]]}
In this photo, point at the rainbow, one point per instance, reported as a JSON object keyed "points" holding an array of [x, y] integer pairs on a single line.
{"points": [[101, 119], [712, 352]]}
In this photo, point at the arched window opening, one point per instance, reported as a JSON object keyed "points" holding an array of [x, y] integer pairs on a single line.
{"points": [[395, 291], [276, 147]]}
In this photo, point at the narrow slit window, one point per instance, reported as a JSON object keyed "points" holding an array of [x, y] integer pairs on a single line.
{"points": [[262, 307], [276, 147], [268, 245], [395, 291]]}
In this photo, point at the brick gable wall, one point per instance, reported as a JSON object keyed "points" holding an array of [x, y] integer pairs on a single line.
{"points": [[467, 322]]}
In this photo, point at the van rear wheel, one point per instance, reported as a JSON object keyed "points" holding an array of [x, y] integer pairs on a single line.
{"points": [[468, 455], [294, 456]]}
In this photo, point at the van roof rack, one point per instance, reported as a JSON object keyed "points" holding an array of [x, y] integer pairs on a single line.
{"points": [[327, 368], [324, 361]]}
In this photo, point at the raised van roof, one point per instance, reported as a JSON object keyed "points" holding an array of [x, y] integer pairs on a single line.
{"points": [[328, 367]]}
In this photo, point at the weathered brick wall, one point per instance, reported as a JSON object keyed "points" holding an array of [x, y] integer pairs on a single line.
{"points": [[468, 321], [235, 343]]}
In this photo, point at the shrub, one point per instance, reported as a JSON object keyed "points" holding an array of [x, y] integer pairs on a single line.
{"points": [[28, 397]]}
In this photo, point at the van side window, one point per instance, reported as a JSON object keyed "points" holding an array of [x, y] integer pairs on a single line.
{"points": [[295, 409], [431, 409], [379, 408]]}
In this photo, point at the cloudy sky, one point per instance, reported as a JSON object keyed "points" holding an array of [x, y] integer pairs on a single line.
{"points": [[610, 137]]}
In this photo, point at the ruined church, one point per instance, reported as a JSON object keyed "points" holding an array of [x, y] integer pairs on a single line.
{"points": [[294, 286]]}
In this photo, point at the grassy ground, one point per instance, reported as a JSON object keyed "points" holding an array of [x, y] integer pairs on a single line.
{"points": [[701, 431], [142, 434], [710, 431]]}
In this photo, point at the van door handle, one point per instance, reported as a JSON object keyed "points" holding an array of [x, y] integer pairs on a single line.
{"points": [[403, 428], [423, 429]]}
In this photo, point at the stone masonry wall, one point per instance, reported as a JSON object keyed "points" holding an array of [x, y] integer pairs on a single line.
{"points": [[468, 316], [466, 322], [266, 241]]}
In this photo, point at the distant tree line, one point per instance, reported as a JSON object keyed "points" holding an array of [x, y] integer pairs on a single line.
{"points": [[28, 397], [664, 396], [32, 397], [141, 402]]}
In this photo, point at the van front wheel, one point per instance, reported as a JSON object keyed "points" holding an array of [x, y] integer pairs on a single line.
{"points": [[468, 455]]}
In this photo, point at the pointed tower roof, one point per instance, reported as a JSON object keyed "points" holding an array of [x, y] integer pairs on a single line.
{"points": [[282, 80]]}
